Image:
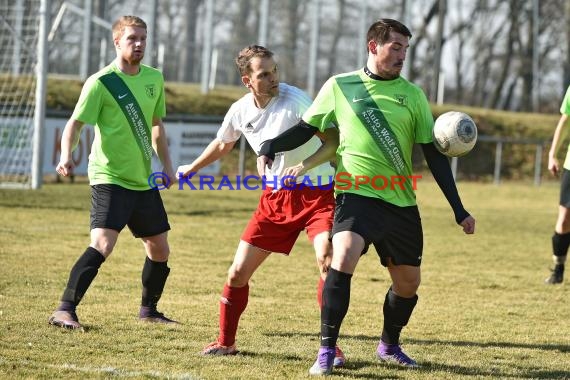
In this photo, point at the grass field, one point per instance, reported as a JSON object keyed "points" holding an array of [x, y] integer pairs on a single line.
{"points": [[483, 310]]}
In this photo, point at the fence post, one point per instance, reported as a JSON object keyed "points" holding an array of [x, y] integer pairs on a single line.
{"points": [[537, 164], [498, 158]]}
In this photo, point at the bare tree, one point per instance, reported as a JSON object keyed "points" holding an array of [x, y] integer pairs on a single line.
{"points": [[487, 34], [170, 11], [333, 54], [525, 58], [187, 71], [490, 61], [292, 18], [505, 59], [419, 36], [566, 73]]}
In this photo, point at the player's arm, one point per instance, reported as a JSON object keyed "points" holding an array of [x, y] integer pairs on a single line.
{"points": [[326, 152], [213, 152], [559, 135], [160, 146], [292, 138], [69, 141], [441, 170]]}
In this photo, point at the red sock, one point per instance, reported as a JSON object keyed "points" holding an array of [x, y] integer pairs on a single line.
{"points": [[232, 304], [320, 292]]}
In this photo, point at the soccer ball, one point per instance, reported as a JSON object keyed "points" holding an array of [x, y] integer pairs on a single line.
{"points": [[454, 134]]}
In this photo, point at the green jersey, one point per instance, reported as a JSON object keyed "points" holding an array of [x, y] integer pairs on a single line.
{"points": [[116, 157], [565, 109], [379, 121]]}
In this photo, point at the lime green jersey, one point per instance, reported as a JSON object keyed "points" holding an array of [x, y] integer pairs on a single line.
{"points": [[565, 110], [116, 157], [379, 121]]}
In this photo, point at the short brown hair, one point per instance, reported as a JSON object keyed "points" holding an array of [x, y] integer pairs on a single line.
{"points": [[120, 25], [380, 30], [243, 60]]}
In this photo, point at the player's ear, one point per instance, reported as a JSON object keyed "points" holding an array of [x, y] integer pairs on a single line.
{"points": [[372, 46], [245, 81]]}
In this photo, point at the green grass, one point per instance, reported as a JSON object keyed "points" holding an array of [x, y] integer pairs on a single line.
{"points": [[483, 311]]}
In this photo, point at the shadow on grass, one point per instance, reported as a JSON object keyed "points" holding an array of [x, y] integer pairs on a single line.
{"points": [[85, 207], [458, 369], [210, 212], [522, 373], [548, 347], [346, 370], [457, 343], [46, 206]]}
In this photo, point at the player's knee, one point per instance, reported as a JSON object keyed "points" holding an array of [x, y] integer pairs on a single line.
{"points": [[159, 256], [564, 225], [237, 278], [407, 288], [416, 284], [324, 258], [103, 246], [324, 266], [157, 247], [322, 244]]}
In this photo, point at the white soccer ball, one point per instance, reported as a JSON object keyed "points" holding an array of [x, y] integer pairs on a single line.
{"points": [[454, 134]]}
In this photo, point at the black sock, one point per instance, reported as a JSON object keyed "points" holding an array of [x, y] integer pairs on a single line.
{"points": [[154, 276], [336, 297], [397, 312], [560, 244], [80, 277]]}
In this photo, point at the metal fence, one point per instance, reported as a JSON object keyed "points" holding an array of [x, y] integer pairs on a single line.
{"points": [[499, 143]]}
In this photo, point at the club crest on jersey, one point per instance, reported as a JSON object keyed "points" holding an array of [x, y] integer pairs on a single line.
{"points": [[401, 99], [150, 90]]}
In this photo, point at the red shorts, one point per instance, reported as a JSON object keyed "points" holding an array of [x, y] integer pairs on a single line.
{"points": [[283, 214]]}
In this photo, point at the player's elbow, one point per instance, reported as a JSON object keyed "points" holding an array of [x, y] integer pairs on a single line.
{"points": [[225, 148]]}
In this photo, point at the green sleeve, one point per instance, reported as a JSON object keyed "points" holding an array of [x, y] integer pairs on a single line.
{"points": [[424, 122], [90, 102], [321, 112]]}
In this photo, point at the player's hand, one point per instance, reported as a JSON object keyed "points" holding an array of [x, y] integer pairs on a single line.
{"points": [[291, 173], [262, 162], [468, 225], [553, 165], [65, 167], [183, 171], [171, 177]]}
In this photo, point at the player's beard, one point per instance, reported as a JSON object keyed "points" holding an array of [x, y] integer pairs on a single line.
{"points": [[135, 58], [397, 69], [135, 61]]}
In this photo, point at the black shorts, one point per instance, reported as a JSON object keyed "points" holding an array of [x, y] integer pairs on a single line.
{"points": [[115, 207], [565, 188], [394, 231]]}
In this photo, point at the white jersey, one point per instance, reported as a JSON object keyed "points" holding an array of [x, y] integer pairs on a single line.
{"points": [[258, 125]]}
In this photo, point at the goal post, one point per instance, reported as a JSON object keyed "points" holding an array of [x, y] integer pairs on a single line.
{"points": [[23, 82]]}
